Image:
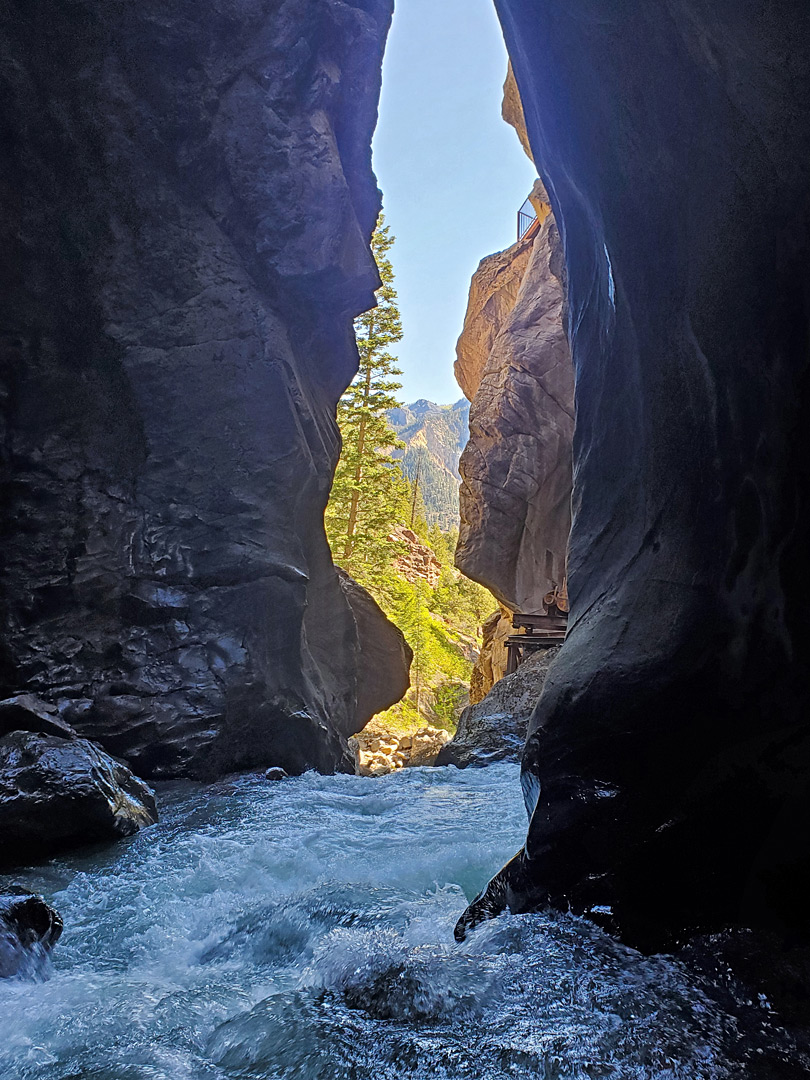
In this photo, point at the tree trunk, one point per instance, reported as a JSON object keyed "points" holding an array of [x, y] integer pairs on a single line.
{"points": [[358, 472]]}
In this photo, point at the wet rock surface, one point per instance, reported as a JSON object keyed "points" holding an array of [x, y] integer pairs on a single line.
{"points": [[495, 728], [187, 200], [29, 927], [670, 747], [25, 712], [57, 794]]}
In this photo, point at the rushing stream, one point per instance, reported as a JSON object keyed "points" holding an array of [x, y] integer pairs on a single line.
{"points": [[303, 929]]}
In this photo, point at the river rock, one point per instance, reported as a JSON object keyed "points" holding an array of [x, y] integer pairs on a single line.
{"points": [[56, 794], [179, 284], [668, 761], [25, 712], [495, 728], [380, 751], [26, 922]]}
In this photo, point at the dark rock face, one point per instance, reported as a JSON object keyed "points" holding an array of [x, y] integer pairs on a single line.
{"points": [[671, 742], [495, 729], [24, 712], [58, 793], [187, 203], [28, 928], [384, 656]]}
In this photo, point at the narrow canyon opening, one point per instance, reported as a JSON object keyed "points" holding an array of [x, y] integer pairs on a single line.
{"points": [[476, 582], [195, 882]]}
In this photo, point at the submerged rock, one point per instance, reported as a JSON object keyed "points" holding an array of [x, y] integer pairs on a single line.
{"points": [[495, 729], [58, 793], [276, 774], [28, 927]]}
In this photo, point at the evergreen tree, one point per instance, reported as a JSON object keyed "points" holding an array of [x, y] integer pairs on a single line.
{"points": [[369, 493], [415, 623]]}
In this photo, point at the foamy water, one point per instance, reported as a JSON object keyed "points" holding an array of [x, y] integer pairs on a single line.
{"points": [[304, 930]]}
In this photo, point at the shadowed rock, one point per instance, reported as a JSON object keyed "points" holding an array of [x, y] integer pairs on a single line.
{"points": [[57, 794], [28, 713], [188, 200], [671, 747], [384, 658], [27, 924]]}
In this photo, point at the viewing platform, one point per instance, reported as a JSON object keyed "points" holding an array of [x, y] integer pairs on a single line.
{"points": [[540, 631], [527, 221]]}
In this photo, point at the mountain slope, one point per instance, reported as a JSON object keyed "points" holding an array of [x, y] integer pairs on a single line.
{"points": [[434, 436]]}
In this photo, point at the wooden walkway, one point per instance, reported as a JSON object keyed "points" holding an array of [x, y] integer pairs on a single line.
{"points": [[540, 631]]}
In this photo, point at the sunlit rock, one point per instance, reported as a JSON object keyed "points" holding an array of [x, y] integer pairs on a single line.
{"points": [[492, 661], [516, 468], [495, 728]]}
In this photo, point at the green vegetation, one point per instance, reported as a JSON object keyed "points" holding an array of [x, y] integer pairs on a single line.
{"points": [[370, 496], [369, 493], [434, 436]]}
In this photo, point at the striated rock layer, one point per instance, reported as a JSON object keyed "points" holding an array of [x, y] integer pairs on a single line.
{"points": [[670, 748], [187, 200]]}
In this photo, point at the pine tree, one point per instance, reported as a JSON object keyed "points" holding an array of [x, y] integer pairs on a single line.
{"points": [[414, 621], [369, 493]]}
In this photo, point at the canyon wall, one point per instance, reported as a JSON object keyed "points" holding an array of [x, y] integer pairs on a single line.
{"points": [[516, 468], [513, 363], [188, 200], [667, 769]]}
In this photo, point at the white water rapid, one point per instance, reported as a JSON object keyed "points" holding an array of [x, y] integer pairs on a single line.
{"points": [[304, 930]]}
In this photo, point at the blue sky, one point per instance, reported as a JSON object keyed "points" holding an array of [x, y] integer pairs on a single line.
{"points": [[451, 171]]}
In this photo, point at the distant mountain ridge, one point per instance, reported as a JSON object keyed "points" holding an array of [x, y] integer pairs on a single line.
{"points": [[434, 436]]}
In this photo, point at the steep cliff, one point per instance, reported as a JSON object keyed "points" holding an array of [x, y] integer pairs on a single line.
{"points": [[188, 201], [668, 764], [516, 467], [514, 364]]}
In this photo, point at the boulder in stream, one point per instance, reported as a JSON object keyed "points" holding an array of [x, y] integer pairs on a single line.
{"points": [[495, 729], [58, 793], [29, 928]]}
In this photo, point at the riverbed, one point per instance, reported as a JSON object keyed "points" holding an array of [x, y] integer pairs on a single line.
{"points": [[304, 929]]}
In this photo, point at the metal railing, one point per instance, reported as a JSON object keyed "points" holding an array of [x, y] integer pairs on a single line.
{"points": [[527, 215]]}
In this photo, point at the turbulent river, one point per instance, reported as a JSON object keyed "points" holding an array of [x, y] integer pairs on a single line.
{"points": [[304, 929]]}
